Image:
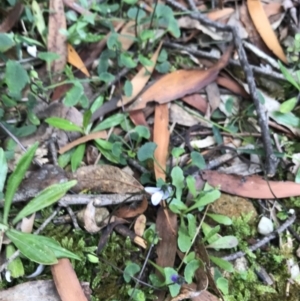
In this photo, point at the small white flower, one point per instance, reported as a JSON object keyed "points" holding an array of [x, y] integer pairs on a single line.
{"points": [[158, 194], [7, 276]]}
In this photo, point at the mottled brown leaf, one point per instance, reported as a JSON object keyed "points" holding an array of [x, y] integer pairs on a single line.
{"points": [[105, 178]]}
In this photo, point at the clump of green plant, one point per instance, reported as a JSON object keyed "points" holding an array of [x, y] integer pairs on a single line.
{"points": [[37, 248], [294, 51]]}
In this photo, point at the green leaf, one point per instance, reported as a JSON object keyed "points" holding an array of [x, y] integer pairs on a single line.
{"points": [[105, 147], [97, 103], [222, 285], [142, 131], [74, 95], [130, 270], [163, 67], [86, 119], [77, 156], [15, 179], [128, 88], [130, 2], [33, 118], [221, 219], [190, 269], [145, 35], [3, 169], [205, 198], [223, 264], [178, 180], [57, 249], [137, 294], [229, 104], [225, 242], [163, 56], [16, 77], [126, 60], [174, 288], [184, 240], [45, 198], [135, 13], [198, 160], [286, 119], [31, 247], [210, 233], [6, 42], [106, 77], [191, 184], [145, 61], [146, 151], [16, 267], [177, 152], [39, 19], [177, 206], [113, 41], [288, 76], [288, 105], [297, 177], [63, 124], [48, 57], [191, 224], [109, 122]]}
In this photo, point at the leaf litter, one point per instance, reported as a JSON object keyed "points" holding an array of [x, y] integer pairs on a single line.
{"points": [[214, 125]]}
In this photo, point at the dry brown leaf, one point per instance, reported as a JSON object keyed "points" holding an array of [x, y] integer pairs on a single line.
{"points": [[180, 83], [91, 136], [66, 281], [232, 86], [161, 137], [180, 116], [57, 41], [75, 60], [94, 219], [166, 221], [220, 13], [12, 17], [105, 178], [213, 96], [138, 118], [127, 35], [166, 226], [196, 101], [253, 35], [251, 187], [264, 28], [140, 80], [140, 225]]}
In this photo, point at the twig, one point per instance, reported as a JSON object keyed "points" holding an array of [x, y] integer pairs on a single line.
{"points": [[263, 241], [99, 200], [271, 159]]}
